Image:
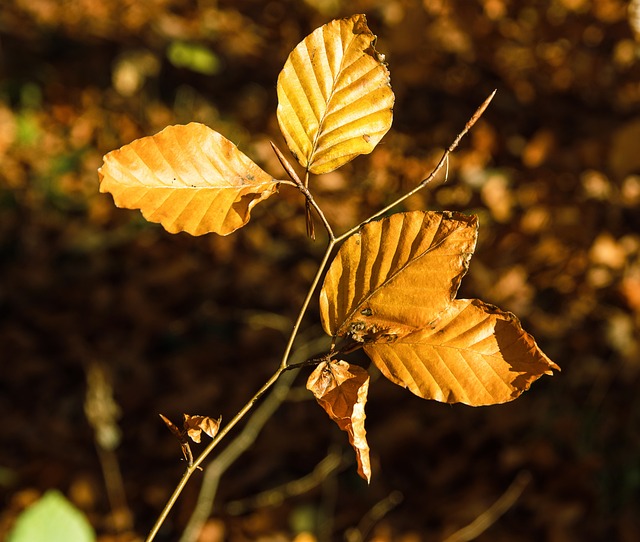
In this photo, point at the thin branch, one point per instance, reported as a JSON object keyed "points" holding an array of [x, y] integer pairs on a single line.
{"points": [[276, 495], [494, 512], [304, 188], [205, 453], [305, 304], [444, 160], [226, 458], [373, 516], [283, 367]]}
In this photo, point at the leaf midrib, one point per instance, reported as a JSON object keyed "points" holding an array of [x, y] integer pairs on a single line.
{"points": [[314, 145], [391, 277]]}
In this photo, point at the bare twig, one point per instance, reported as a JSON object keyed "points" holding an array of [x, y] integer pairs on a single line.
{"points": [[494, 512], [196, 464], [240, 415], [305, 304], [275, 496], [431, 176], [377, 512], [225, 459]]}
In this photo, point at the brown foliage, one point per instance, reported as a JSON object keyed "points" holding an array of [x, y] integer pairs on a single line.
{"points": [[156, 308], [189, 178], [341, 389], [392, 287]]}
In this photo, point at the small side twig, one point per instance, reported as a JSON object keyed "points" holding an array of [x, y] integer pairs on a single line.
{"points": [[377, 512], [237, 447], [494, 512], [275, 496], [304, 188]]}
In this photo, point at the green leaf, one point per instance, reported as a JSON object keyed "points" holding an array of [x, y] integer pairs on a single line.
{"points": [[52, 519], [194, 57]]}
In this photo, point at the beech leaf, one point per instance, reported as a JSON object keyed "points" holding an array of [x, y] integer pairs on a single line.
{"points": [[341, 389], [188, 178], [392, 286], [182, 438], [334, 97], [195, 425], [474, 354], [396, 274]]}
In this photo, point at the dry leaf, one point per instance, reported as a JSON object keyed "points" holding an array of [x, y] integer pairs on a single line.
{"points": [[188, 178], [334, 97], [182, 439], [194, 425], [392, 286], [396, 274], [474, 354], [341, 389]]}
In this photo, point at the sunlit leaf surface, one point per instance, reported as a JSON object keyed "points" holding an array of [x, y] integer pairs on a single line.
{"points": [[334, 97], [188, 178], [474, 354], [392, 286]]}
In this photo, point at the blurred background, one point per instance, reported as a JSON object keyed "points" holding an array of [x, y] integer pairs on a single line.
{"points": [[107, 321]]}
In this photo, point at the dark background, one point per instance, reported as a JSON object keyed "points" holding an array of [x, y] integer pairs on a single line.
{"points": [[182, 324]]}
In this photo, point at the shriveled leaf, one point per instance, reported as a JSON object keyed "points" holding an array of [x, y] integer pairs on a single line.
{"points": [[195, 425], [397, 274], [173, 427], [334, 97], [181, 435], [341, 389], [473, 353], [188, 178]]}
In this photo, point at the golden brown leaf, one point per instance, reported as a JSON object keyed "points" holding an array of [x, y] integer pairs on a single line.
{"points": [[392, 286], [188, 178], [334, 97], [341, 389], [397, 274], [473, 353], [195, 425]]}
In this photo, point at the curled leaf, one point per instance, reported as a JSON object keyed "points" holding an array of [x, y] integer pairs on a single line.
{"points": [[473, 353], [341, 389], [195, 425], [192, 427], [188, 178], [334, 97]]}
